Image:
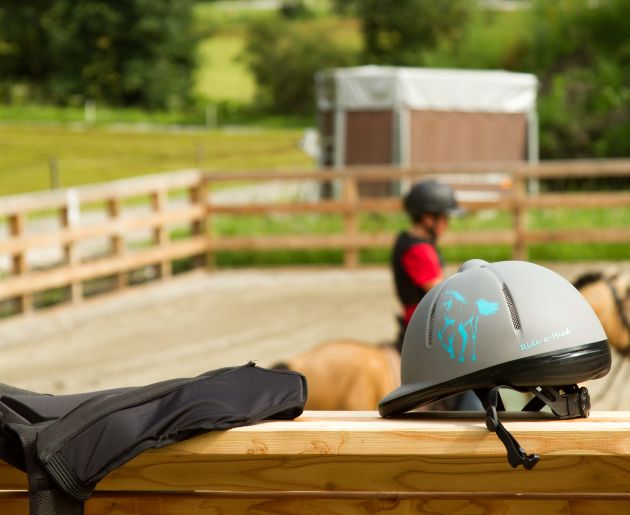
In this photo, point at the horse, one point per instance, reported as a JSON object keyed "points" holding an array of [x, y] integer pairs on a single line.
{"points": [[347, 375], [608, 293]]}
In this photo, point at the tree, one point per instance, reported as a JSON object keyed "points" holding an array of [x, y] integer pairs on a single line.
{"points": [[580, 51], [138, 52], [399, 32], [284, 59]]}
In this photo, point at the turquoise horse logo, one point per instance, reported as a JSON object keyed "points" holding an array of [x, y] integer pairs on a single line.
{"points": [[461, 320]]}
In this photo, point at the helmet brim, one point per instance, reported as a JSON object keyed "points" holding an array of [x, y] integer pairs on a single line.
{"points": [[576, 365], [410, 396]]}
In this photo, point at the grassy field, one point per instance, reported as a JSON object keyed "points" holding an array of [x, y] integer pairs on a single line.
{"points": [[221, 76], [484, 220], [96, 155]]}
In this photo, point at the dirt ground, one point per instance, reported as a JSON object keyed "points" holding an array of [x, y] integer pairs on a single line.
{"points": [[198, 322]]}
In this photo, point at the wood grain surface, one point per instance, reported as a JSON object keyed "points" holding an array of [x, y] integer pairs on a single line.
{"points": [[357, 462]]}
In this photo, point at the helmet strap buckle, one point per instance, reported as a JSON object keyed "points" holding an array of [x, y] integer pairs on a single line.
{"points": [[516, 455]]}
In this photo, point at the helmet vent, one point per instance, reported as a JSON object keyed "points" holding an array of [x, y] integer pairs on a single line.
{"points": [[516, 321], [430, 337]]}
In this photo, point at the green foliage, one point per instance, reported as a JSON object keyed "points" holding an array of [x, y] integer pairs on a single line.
{"points": [[491, 39], [139, 52], [401, 32], [284, 58], [580, 51]]}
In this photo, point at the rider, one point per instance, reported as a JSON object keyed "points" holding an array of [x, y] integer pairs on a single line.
{"points": [[416, 261]]}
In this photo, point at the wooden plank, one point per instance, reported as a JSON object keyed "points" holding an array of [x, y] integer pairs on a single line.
{"points": [[592, 476], [578, 200], [322, 206], [198, 197], [364, 205], [193, 504], [425, 433], [71, 254], [123, 188], [612, 235], [575, 168], [209, 224], [19, 265], [117, 239], [42, 280], [115, 228], [351, 221], [341, 241], [325, 472], [159, 200], [544, 169]]}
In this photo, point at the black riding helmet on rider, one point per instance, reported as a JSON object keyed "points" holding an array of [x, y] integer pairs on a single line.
{"points": [[416, 262], [429, 201]]}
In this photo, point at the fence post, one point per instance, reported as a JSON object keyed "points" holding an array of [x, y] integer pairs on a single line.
{"points": [[197, 195], [117, 240], [519, 212], [70, 252], [205, 198], [160, 232], [351, 220], [20, 265], [53, 173]]}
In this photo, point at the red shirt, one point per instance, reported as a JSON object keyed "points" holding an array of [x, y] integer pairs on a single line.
{"points": [[422, 265]]}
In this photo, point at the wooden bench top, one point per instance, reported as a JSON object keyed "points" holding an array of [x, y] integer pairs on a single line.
{"points": [[357, 462]]}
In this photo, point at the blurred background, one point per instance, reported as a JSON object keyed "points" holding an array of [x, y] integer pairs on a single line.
{"points": [[145, 140]]}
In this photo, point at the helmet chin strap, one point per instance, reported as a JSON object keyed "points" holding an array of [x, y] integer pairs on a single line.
{"points": [[565, 401], [516, 455]]}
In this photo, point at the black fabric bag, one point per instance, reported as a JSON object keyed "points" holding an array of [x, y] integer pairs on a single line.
{"points": [[66, 444]]}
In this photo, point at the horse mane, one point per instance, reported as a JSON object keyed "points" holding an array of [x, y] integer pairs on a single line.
{"points": [[587, 278]]}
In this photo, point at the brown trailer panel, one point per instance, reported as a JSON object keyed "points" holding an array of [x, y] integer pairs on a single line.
{"points": [[459, 137]]}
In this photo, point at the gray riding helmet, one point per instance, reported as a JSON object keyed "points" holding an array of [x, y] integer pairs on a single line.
{"points": [[507, 324]]}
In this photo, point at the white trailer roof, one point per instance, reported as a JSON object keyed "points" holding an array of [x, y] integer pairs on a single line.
{"points": [[384, 87]]}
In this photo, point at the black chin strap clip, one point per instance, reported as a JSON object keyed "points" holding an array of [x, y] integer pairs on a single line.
{"points": [[516, 455], [569, 401]]}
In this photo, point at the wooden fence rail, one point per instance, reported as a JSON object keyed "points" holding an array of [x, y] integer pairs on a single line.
{"points": [[109, 217], [353, 463]]}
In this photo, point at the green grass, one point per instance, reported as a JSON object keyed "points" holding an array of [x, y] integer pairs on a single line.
{"points": [[228, 225], [97, 155], [221, 76]]}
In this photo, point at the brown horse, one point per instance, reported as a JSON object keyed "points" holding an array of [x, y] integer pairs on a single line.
{"points": [[608, 294], [347, 374]]}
